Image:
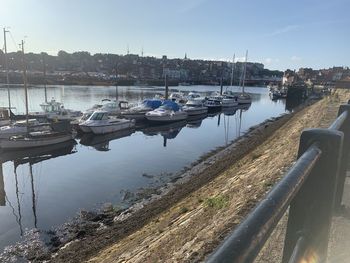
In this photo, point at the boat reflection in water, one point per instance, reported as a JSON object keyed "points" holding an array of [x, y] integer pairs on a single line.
{"points": [[101, 142], [30, 157], [167, 131], [195, 122]]}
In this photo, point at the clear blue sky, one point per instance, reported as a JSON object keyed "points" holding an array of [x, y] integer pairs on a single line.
{"points": [[279, 33]]}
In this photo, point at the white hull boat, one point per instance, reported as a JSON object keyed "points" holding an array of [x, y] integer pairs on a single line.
{"points": [[35, 139], [229, 102], [195, 107], [168, 112], [100, 123]]}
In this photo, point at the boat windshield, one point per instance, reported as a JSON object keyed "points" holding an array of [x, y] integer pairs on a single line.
{"points": [[97, 116], [51, 107]]}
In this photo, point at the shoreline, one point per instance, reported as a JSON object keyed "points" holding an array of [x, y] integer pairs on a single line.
{"points": [[135, 217]]}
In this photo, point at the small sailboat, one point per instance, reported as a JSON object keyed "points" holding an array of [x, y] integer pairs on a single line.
{"points": [[100, 123], [138, 112], [37, 138], [169, 111]]}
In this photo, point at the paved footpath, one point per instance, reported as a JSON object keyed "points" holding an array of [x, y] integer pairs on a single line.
{"points": [[339, 243]]}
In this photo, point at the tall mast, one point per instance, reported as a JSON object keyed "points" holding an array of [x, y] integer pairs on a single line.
{"points": [[44, 69], [245, 70], [7, 69], [25, 82], [232, 69]]}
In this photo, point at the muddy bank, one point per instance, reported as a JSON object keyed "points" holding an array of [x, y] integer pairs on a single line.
{"points": [[88, 243]]}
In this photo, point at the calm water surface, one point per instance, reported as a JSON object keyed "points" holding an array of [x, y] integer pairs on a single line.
{"points": [[46, 191]]}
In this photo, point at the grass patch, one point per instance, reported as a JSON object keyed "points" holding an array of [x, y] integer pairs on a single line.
{"points": [[216, 202]]}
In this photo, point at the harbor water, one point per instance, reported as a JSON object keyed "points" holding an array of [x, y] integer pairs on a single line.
{"points": [[46, 190]]}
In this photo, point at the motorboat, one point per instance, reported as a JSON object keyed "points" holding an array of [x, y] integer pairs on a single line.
{"points": [[193, 95], [4, 117], [229, 100], [195, 107], [178, 97], [22, 127], [138, 112], [213, 103], [112, 107], [169, 111], [54, 110], [101, 123]]}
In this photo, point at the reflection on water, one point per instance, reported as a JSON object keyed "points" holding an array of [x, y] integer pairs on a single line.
{"points": [[45, 187]]}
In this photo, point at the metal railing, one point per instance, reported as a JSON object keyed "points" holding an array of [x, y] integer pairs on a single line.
{"points": [[312, 190]]}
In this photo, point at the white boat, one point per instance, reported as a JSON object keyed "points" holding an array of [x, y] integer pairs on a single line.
{"points": [[138, 112], [4, 117], [195, 107], [193, 95], [112, 107], [178, 97], [169, 111], [214, 103], [229, 100], [55, 110], [22, 127], [100, 123], [34, 139]]}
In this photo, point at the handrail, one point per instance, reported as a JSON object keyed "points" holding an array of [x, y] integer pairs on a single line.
{"points": [[246, 241], [338, 123], [312, 188]]}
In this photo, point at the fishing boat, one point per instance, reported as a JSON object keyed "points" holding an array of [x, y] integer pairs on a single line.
{"points": [[195, 107], [33, 139], [101, 123], [138, 112], [54, 110], [169, 111], [244, 98]]}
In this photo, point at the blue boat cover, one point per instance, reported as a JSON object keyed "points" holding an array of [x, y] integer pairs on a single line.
{"points": [[152, 103], [170, 105]]}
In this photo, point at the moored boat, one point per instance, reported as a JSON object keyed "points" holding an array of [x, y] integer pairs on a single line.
{"points": [[100, 123], [195, 107], [34, 139], [169, 111], [138, 112]]}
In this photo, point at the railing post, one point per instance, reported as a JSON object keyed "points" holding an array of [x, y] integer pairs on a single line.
{"points": [[311, 210], [345, 156]]}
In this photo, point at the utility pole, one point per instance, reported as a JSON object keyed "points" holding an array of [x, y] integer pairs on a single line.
{"points": [[7, 70]]}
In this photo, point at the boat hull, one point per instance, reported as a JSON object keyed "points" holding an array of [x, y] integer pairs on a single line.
{"points": [[192, 111], [25, 143], [167, 118], [112, 127]]}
